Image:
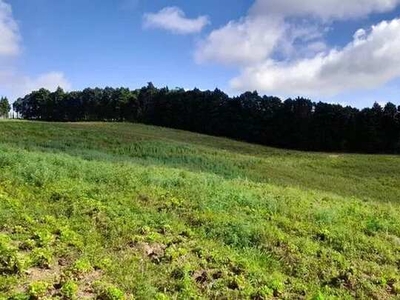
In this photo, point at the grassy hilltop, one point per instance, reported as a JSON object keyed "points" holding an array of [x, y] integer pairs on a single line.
{"points": [[124, 211]]}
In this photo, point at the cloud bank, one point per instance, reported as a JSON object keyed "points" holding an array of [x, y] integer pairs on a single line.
{"points": [[277, 51], [369, 61]]}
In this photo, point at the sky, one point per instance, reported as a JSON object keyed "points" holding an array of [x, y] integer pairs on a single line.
{"points": [[335, 51]]}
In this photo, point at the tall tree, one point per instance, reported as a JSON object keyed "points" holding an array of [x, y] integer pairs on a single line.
{"points": [[4, 107], [294, 123]]}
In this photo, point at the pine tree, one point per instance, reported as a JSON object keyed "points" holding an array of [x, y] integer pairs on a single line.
{"points": [[4, 107]]}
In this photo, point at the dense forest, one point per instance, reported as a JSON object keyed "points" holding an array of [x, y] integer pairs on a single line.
{"points": [[294, 123]]}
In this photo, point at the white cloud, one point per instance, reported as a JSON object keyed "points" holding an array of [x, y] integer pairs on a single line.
{"points": [[13, 81], [266, 29], [9, 33], [18, 85], [244, 42], [251, 40], [280, 47], [174, 19], [325, 9], [369, 61]]}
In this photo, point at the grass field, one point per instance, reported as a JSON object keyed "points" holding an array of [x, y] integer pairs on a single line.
{"points": [[123, 211]]}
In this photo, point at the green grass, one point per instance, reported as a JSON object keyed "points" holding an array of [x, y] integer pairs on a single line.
{"points": [[123, 211]]}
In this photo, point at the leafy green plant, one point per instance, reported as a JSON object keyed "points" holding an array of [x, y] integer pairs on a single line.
{"points": [[9, 262], [219, 219], [108, 292], [80, 268], [43, 238], [20, 296], [27, 245], [38, 289], [69, 290], [41, 258]]}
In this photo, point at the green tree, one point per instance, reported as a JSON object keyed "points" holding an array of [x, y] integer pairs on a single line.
{"points": [[294, 123], [4, 107]]}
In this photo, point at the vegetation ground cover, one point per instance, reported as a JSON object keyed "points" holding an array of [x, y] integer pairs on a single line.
{"points": [[298, 124], [127, 211]]}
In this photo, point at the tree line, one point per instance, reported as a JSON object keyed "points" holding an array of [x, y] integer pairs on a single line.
{"points": [[294, 123]]}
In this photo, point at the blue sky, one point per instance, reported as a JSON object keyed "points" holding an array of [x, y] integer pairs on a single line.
{"points": [[269, 45]]}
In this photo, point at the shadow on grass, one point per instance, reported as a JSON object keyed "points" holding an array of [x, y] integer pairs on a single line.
{"points": [[365, 176]]}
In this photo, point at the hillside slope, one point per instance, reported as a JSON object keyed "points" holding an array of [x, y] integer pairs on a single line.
{"points": [[120, 211]]}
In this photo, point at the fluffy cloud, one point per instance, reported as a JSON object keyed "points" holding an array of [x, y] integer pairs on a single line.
{"points": [[325, 9], [369, 61], [244, 42], [277, 51], [253, 39], [174, 19], [9, 33], [11, 80]]}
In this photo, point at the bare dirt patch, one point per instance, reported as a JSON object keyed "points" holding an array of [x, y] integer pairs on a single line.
{"points": [[85, 290], [154, 251]]}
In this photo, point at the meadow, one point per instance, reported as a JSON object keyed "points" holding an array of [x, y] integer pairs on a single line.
{"points": [[128, 211]]}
